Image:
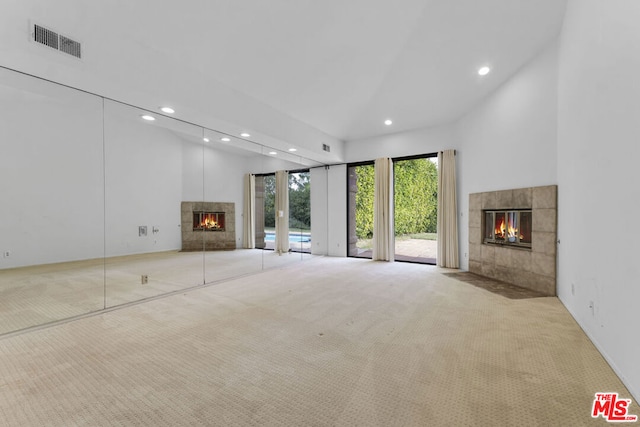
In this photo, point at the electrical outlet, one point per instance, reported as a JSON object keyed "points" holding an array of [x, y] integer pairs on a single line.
{"points": [[6, 254], [144, 279]]}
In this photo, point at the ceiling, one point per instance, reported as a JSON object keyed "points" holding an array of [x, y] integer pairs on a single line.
{"points": [[341, 67]]}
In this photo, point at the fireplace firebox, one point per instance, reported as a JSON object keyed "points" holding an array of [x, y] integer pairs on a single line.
{"points": [[208, 221], [508, 227]]}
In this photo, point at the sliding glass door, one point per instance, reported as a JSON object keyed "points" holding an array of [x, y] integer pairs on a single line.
{"points": [[415, 209]]}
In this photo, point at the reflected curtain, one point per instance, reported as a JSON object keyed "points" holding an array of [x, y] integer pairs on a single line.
{"points": [[383, 228], [249, 212], [447, 211], [282, 212]]}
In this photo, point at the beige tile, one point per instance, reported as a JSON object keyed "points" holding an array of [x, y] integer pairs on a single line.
{"points": [[475, 267], [503, 257], [544, 265], [523, 198], [543, 242], [488, 254], [504, 199], [545, 285], [489, 200], [474, 252], [475, 201], [475, 218], [545, 197], [521, 260], [475, 235], [544, 220]]}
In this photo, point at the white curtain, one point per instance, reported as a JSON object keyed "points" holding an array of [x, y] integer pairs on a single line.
{"points": [[249, 213], [282, 212], [383, 227], [447, 211]]}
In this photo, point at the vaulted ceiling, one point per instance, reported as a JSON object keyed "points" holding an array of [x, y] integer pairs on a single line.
{"points": [[342, 67]]}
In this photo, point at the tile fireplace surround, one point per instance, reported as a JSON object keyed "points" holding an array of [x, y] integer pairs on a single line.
{"points": [[198, 240], [534, 268]]}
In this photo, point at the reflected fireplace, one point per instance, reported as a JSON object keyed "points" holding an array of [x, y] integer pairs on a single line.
{"points": [[508, 227], [208, 221]]}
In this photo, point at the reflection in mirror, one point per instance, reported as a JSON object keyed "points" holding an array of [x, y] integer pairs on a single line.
{"points": [[282, 231], [229, 163], [153, 174], [52, 210], [102, 206]]}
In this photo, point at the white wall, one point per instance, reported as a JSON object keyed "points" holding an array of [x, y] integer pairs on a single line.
{"points": [[51, 173], [598, 154], [329, 210], [419, 141], [509, 140], [135, 78]]}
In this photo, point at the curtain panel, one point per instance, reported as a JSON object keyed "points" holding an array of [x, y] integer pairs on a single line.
{"points": [[447, 211], [249, 212], [383, 227], [282, 212]]}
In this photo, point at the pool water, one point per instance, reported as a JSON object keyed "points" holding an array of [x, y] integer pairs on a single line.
{"points": [[293, 237]]}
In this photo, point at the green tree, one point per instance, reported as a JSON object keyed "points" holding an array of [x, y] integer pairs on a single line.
{"points": [[299, 201], [364, 201], [415, 196], [270, 201]]}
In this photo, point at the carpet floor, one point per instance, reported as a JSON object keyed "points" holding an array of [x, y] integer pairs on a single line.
{"points": [[324, 342]]}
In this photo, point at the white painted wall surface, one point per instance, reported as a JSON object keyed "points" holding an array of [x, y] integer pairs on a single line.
{"points": [[598, 155], [509, 140], [337, 210], [51, 173], [135, 77], [319, 216], [329, 210], [419, 141]]}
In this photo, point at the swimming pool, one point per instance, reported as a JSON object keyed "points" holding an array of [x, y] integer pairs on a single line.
{"points": [[294, 237]]}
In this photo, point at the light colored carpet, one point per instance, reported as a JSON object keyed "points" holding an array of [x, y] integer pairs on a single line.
{"points": [[325, 342], [41, 294]]}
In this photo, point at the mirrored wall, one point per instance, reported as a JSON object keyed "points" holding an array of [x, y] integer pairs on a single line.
{"points": [[105, 204]]}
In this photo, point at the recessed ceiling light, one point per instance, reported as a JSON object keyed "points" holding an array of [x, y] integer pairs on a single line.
{"points": [[205, 139], [148, 117], [483, 71], [245, 135], [168, 110], [225, 139], [273, 153], [293, 149], [388, 122]]}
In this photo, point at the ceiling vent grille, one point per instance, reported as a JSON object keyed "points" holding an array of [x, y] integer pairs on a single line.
{"points": [[56, 41], [69, 46], [326, 148], [45, 36]]}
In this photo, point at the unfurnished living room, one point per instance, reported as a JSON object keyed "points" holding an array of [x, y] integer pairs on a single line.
{"points": [[359, 213]]}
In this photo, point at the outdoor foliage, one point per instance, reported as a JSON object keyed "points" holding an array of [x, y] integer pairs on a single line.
{"points": [[415, 193], [416, 196], [364, 201], [299, 201], [270, 201]]}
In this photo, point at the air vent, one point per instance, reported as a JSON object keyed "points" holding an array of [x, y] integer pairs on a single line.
{"points": [[326, 148], [69, 46], [56, 41], [45, 36]]}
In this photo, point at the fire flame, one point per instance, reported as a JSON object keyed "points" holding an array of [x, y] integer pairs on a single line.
{"points": [[500, 229], [208, 222]]}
